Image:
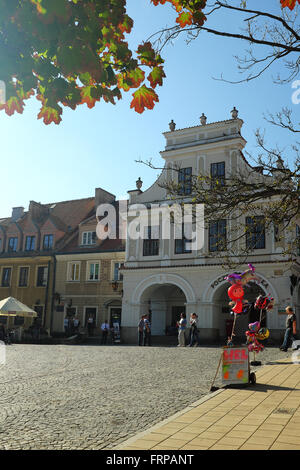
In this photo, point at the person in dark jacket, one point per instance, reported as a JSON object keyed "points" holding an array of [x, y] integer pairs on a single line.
{"points": [[290, 329]]}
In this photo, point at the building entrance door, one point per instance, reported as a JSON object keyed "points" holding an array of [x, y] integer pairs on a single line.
{"points": [[176, 311]]}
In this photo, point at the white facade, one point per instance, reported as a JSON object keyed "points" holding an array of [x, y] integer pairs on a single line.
{"points": [[167, 282]]}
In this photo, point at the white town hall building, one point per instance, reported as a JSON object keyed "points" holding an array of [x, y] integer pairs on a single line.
{"points": [[162, 276]]}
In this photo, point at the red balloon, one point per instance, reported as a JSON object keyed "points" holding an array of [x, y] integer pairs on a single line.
{"points": [[236, 293]]}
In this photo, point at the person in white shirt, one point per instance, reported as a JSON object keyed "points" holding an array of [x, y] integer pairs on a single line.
{"points": [[105, 330]]}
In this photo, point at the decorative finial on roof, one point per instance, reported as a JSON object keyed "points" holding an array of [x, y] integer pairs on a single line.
{"points": [[139, 183], [234, 113], [203, 119], [172, 125]]}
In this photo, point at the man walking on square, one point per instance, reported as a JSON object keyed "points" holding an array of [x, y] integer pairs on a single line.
{"points": [[105, 330], [181, 329], [290, 329], [194, 330]]}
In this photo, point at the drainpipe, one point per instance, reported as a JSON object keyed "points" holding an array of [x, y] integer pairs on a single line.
{"points": [[47, 292], [53, 291]]}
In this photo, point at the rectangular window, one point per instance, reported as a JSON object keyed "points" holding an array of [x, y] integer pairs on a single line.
{"points": [[12, 244], [88, 238], [6, 276], [23, 278], [151, 245], [117, 276], [42, 276], [93, 271], [185, 181], [48, 242], [217, 173], [30, 243], [217, 235], [182, 243], [74, 272], [255, 233]]}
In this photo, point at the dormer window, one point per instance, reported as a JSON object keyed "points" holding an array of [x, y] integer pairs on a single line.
{"points": [[48, 242], [30, 243], [88, 238], [12, 244]]}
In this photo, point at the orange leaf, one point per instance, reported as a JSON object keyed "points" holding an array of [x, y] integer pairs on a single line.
{"points": [[156, 76], [13, 105], [143, 98], [289, 3], [184, 18], [50, 115]]}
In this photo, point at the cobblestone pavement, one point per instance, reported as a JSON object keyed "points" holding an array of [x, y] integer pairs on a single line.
{"points": [[95, 397]]}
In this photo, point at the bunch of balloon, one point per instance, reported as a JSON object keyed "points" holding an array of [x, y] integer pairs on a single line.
{"points": [[254, 335], [259, 308], [236, 294]]}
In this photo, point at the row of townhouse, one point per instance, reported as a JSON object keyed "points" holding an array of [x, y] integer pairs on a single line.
{"points": [[52, 261]]}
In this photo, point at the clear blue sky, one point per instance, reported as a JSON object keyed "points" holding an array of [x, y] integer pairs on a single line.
{"points": [[98, 147]]}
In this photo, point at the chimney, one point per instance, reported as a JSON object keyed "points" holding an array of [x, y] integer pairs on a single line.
{"points": [[37, 210], [103, 197], [17, 213]]}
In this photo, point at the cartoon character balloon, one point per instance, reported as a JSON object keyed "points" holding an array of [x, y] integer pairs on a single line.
{"points": [[236, 291], [254, 334]]}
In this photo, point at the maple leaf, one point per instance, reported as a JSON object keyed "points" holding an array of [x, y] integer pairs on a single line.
{"points": [[147, 54], [88, 97], [156, 76], [12, 105], [49, 114], [126, 25], [132, 79], [184, 18], [289, 3], [143, 98]]}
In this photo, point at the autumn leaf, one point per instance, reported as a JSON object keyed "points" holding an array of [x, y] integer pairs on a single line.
{"points": [[88, 97], [132, 79], [147, 54], [156, 76], [289, 3], [126, 25], [50, 115], [13, 105], [185, 18], [143, 98]]}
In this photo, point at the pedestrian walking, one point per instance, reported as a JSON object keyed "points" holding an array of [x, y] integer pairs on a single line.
{"points": [[181, 329], [76, 324], [141, 330], [291, 329], [105, 330], [194, 337], [66, 326], [147, 331]]}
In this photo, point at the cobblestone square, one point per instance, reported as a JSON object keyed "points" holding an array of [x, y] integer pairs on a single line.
{"points": [[95, 397]]}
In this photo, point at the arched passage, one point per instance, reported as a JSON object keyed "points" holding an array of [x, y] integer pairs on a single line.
{"points": [[166, 295], [164, 303]]}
